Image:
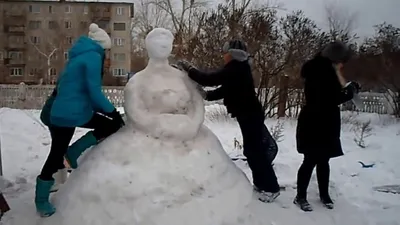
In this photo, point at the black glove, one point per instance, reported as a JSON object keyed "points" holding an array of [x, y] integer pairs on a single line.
{"points": [[184, 65], [116, 117], [355, 87]]}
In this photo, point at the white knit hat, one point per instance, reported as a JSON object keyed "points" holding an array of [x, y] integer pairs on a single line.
{"points": [[100, 36]]}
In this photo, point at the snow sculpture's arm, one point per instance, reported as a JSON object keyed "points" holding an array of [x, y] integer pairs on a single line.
{"points": [[160, 125]]}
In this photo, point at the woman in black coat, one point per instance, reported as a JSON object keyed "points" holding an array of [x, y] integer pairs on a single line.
{"points": [[318, 127]]}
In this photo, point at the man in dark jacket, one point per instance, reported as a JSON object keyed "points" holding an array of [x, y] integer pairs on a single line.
{"points": [[238, 93], [318, 128]]}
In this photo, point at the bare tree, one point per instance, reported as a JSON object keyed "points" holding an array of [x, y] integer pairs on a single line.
{"points": [[180, 11], [382, 55], [47, 52], [341, 21], [148, 16]]}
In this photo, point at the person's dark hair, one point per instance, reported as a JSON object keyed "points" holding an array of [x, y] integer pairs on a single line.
{"points": [[337, 52]]}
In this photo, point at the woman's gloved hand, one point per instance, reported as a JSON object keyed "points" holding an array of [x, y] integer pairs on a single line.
{"points": [[116, 117]]}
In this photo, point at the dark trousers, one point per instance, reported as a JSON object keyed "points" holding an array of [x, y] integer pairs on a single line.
{"points": [[61, 137], [305, 172], [264, 177]]}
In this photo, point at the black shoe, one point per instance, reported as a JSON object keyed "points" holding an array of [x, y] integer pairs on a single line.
{"points": [[303, 204], [327, 202], [265, 196]]}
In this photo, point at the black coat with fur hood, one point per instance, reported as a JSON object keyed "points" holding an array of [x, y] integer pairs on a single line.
{"points": [[236, 88], [318, 127]]}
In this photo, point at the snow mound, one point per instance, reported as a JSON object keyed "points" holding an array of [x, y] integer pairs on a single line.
{"points": [[135, 179]]}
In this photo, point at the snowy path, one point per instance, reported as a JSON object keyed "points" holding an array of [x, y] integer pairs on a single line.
{"points": [[25, 143]]}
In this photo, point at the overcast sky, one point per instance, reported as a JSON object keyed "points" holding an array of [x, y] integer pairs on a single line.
{"points": [[369, 12]]}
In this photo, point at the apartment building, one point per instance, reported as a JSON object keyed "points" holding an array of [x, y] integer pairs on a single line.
{"points": [[35, 37]]}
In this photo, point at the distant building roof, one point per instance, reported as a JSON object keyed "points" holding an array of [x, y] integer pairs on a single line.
{"points": [[72, 1]]}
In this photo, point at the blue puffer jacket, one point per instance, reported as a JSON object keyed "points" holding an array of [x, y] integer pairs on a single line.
{"points": [[79, 92]]}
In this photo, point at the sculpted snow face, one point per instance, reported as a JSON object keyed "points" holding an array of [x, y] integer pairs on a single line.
{"points": [[161, 100]]}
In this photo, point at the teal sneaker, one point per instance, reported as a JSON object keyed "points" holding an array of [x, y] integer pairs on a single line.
{"points": [[42, 194], [78, 147]]}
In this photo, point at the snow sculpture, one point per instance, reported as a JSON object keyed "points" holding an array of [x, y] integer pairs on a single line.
{"points": [[161, 100]]}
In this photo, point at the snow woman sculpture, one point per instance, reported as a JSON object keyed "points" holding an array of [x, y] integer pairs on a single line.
{"points": [[164, 167]]}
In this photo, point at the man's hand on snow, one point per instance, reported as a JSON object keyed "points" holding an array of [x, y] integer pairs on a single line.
{"points": [[184, 65]]}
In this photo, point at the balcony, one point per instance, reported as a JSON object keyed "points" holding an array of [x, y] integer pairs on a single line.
{"points": [[15, 12], [17, 30], [101, 15], [14, 17], [14, 47], [14, 62]]}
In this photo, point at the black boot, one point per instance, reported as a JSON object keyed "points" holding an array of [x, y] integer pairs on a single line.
{"points": [[303, 204], [327, 201]]}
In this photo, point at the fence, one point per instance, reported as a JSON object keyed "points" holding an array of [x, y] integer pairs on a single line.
{"points": [[33, 97]]}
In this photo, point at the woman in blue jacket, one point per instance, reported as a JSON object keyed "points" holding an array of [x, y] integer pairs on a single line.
{"points": [[78, 102]]}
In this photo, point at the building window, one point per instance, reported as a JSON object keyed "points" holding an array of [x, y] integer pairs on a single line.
{"points": [[34, 71], [15, 55], [53, 72], [66, 55], [84, 25], [53, 25], [119, 72], [119, 57], [16, 72], [35, 40], [85, 9], [16, 39], [119, 41], [68, 24], [51, 9], [120, 11], [120, 26], [34, 8], [34, 24], [69, 40], [68, 9]]}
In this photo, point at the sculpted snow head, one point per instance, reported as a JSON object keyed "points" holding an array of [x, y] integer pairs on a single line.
{"points": [[159, 43]]}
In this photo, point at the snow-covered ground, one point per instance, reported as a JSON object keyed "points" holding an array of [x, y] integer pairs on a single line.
{"points": [[25, 145]]}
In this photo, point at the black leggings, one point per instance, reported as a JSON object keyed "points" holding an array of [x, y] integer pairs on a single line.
{"points": [[264, 176], [61, 137], [305, 172]]}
